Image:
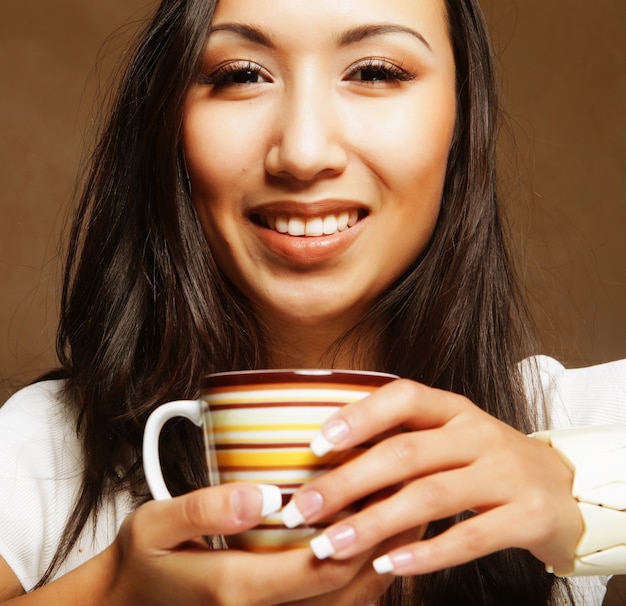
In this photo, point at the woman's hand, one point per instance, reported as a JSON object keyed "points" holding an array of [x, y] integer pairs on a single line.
{"points": [[455, 458], [160, 559]]}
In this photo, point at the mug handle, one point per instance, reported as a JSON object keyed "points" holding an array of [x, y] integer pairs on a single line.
{"points": [[190, 409]]}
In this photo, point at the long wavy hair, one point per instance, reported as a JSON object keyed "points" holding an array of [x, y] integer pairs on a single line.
{"points": [[146, 311]]}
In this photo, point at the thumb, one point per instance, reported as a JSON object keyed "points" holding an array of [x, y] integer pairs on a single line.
{"points": [[219, 510]]}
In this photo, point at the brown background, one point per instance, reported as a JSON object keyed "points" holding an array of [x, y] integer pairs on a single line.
{"points": [[564, 69]]}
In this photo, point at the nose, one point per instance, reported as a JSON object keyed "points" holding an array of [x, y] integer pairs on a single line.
{"points": [[307, 141]]}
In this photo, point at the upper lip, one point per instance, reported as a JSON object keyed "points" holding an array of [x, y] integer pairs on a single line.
{"points": [[293, 208]]}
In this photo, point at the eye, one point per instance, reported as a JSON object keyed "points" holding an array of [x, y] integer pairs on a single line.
{"points": [[378, 70], [235, 74]]}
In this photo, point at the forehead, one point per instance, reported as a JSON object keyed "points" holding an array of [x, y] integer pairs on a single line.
{"points": [[320, 19]]}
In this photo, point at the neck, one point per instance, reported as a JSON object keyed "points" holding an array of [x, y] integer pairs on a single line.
{"points": [[318, 346]]}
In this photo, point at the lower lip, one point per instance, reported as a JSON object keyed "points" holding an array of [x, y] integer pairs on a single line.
{"points": [[309, 250]]}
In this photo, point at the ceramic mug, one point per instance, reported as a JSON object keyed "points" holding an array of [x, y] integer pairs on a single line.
{"points": [[257, 427]]}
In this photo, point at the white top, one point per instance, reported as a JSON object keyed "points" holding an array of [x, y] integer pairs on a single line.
{"points": [[40, 471], [41, 464]]}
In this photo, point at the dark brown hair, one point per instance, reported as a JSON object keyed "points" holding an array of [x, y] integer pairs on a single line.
{"points": [[146, 312]]}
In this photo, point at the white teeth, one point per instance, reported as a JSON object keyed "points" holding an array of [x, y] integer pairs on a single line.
{"points": [[330, 225], [314, 226], [297, 226], [342, 221], [282, 225]]}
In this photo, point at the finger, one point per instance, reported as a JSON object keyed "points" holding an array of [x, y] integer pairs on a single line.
{"points": [[464, 542], [199, 576], [414, 506], [220, 510], [365, 589], [367, 586], [357, 587], [400, 403], [391, 462], [285, 577], [158, 530]]}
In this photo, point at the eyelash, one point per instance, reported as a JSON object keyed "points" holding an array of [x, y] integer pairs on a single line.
{"points": [[381, 71], [380, 66], [223, 75]]}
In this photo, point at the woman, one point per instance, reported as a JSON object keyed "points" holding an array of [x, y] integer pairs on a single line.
{"points": [[310, 184]]}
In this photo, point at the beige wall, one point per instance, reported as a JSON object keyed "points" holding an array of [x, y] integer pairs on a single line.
{"points": [[53, 58], [565, 91], [565, 66]]}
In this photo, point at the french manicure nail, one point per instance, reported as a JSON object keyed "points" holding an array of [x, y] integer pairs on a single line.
{"points": [[308, 504], [320, 445], [272, 499], [291, 515], [326, 440], [321, 547], [391, 562], [333, 540], [244, 501], [383, 565]]}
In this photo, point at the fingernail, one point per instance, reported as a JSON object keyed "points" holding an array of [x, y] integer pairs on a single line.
{"points": [[244, 501], [272, 499], [333, 540], [392, 562], [322, 547], [326, 439], [383, 565], [320, 445], [291, 515], [308, 504]]}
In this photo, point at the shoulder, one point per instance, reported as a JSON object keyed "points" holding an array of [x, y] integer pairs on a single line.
{"points": [[32, 401], [576, 397], [40, 471], [39, 442], [36, 415]]}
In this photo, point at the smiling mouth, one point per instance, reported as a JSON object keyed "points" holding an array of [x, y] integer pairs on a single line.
{"points": [[323, 225]]}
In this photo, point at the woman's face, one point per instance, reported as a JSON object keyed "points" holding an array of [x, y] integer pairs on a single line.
{"points": [[316, 142]]}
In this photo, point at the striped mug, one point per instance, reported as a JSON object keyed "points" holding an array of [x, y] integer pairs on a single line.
{"points": [[257, 427]]}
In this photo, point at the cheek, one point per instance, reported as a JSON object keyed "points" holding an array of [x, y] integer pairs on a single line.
{"points": [[422, 148], [202, 149], [208, 160], [217, 155], [408, 148]]}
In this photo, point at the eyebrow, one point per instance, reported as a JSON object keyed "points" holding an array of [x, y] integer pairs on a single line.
{"points": [[245, 31], [357, 34], [352, 36]]}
